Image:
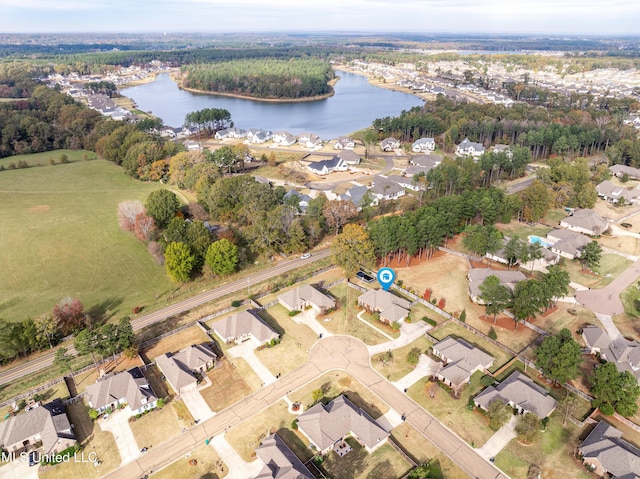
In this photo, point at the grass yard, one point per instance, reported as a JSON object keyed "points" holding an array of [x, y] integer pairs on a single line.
{"points": [[175, 342], [562, 318], [611, 210], [60, 237], [92, 438], [380, 325], [421, 450], [383, 463], [248, 435], [626, 244], [89, 377], [628, 296], [515, 340], [472, 426], [517, 229], [42, 159], [398, 367], [452, 329], [159, 425], [344, 319], [336, 383], [554, 216], [611, 265], [552, 452], [293, 350], [207, 465], [228, 386]]}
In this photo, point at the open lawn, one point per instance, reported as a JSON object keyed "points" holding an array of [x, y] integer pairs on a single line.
{"points": [[421, 450], [552, 452], [517, 229], [175, 342], [452, 329], [158, 425], [334, 384], [398, 367], [626, 244], [60, 237], [207, 465], [611, 210], [92, 439], [611, 265], [472, 426], [515, 340], [228, 386], [293, 350], [248, 435], [570, 316], [43, 159], [628, 296], [344, 319], [554, 216], [383, 463]]}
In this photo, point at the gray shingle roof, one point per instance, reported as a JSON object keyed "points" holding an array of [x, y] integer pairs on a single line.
{"points": [[241, 324], [463, 358], [177, 367], [305, 293], [131, 385], [478, 275], [617, 456], [586, 219], [279, 461]]}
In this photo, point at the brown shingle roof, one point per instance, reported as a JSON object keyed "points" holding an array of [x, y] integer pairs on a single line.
{"points": [[280, 461], [241, 324], [305, 293]]}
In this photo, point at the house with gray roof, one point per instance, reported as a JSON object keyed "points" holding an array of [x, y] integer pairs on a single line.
{"points": [[129, 388], [301, 200], [283, 138], [407, 182], [585, 221], [521, 393], [344, 143], [350, 156], [47, 425], [476, 277], [469, 148], [279, 460], [179, 368], [255, 135], [461, 360], [423, 145], [244, 326], [356, 193], [608, 455], [625, 354], [426, 161], [617, 194], [389, 144], [324, 167], [306, 296], [385, 189], [620, 170], [506, 149], [309, 140], [566, 243], [326, 426], [391, 308]]}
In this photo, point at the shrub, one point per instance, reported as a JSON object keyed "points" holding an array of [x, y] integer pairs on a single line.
{"points": [[429, 321], [487, 380], [93, 414], [427, 294], [470, 404], [492, 334], [463, 316], [22, 404], [626, 225], [636, 304], [395, 326], [12, 166], [441, 303], [23, 164], [64, 158], [161, 402], [607, 409], [136, 309], [294, 425], [52, 161], [400, 283], [294, 312], [236, 303], [413, 356]]}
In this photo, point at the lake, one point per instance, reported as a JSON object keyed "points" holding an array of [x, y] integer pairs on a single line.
{"points": [[354, 106]]}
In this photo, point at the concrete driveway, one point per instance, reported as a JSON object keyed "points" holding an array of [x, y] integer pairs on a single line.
{"points": [[118, 424], [246, 351], [196, 404], [308, 317], [425, 367], [19, 469], [499, 440], [238, 468]]}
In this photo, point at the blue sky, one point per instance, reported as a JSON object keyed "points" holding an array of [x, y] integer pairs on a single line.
{"points": [[423, 16]]}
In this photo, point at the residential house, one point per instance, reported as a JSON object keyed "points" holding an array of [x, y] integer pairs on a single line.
{"points": [[585, 221], [385, 189], [423, 145], [179, 368], [280, 462], [222, 134], [324, 167], [413, 170], [521, 393], [309, 140], [567, 243], [326, 426], [283, 138], [344, 143], [620, 170], [476, 277], [301, 200], [351, 157], [306, 296], [244, 326], [506, 149], [608, 455], [469, 148], [46, 426], [500, 256], [236, 133], [426, 161], [356, 193], [407, 182], [625, 354], [126, 388], [191, 145], [389, 144], [167, 132], [461, 360], [392, 308], [617, 194], [255, 135]]}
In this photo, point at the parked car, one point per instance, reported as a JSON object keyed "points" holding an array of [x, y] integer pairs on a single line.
{"points": [[305, 256], [33, 458], [144, 449]]}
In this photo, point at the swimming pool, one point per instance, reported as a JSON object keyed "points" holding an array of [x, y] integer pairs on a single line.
{"points": [[540, 241]]}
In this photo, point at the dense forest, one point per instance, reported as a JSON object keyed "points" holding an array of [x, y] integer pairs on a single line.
{"points": [[265, 78]]}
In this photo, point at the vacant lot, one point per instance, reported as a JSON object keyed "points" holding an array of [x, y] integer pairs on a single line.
{"points": [[228, 387], [202, 462], [60, 237], [383, 463], [552, 452], [398, 367]]}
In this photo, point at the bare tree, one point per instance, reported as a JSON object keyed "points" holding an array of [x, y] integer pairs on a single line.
{"points": [[338, 212], [127, 213], [144, 227]]}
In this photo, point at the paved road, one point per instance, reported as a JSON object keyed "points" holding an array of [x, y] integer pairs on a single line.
{"points": [[282, 267], [607, 300], [337, 352]]}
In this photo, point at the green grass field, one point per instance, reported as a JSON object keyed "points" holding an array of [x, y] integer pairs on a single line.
{"points": [[42, 159], [60, 237]]}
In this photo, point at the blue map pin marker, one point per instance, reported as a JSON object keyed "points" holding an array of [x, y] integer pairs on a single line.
{"points": [[386, 277]]}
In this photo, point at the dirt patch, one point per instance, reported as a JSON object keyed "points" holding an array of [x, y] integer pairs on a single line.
{"points": [[502, 321], [40, 209]]}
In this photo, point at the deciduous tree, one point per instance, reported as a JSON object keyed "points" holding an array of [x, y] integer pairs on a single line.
{"points": [[528, 427], [614, 391], [179, 261], [559, 357], [162, 206], [495, 295], [499, 414], [69, 314], [222, 257], [352, 249], [591, 255], [128, 211], [338, 212]]}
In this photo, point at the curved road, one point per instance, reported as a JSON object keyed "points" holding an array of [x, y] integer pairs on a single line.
{"points": [[46, 360], [335, 352]]}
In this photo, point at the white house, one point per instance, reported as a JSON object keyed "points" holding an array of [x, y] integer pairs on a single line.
{"points": [[325, 167], [385, 189], [344, 143], [424, 145], [283, 138], [258, 136], [469, 148], [389, 144], [309, 140], [585, 221]]}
